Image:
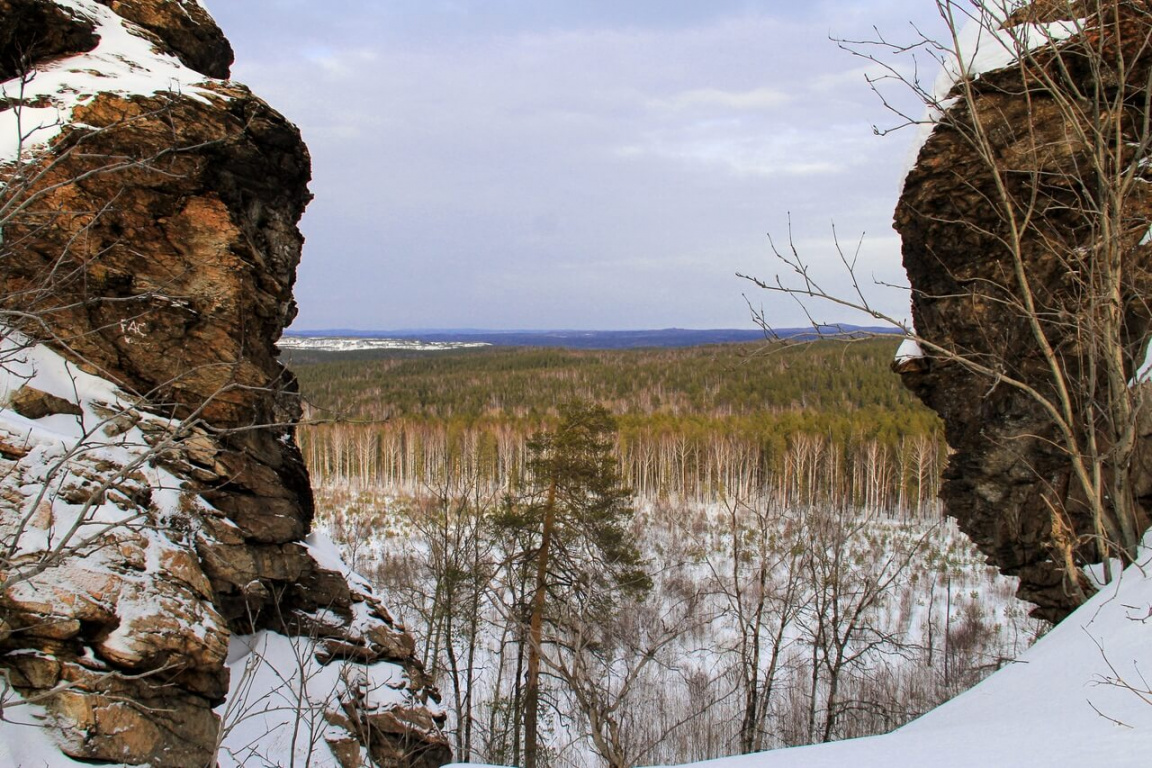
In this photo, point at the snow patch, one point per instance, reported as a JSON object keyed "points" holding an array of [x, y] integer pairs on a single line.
{"points": [[909, 350], [982, 45], [123, 63]]}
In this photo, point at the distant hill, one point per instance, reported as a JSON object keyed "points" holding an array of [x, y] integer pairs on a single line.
{"points": [[574, 339]]}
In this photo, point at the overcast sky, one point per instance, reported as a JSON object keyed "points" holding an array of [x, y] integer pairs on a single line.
{"points": [[518, 164]]}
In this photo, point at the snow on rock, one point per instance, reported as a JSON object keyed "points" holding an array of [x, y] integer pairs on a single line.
{"points": [[325, 552], [909, 349], [909, 357], [26, 740], [982, 43], [346, 688], [107, 535], [153, 500], [101, 585], [283, 705], [124, 62]]}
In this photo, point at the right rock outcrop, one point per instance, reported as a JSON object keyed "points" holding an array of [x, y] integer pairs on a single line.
{"points": [[1025, 228]]}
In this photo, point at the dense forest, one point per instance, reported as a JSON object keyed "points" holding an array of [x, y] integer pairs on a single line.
{"points": [[713, 381], [693, 423]]}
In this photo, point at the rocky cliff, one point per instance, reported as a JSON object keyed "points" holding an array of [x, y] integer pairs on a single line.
{"points": [[154, 507], [1024, 226]]}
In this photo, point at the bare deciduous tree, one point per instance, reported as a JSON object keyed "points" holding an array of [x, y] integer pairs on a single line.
{"points": [[1049, 105], [763, 586]]}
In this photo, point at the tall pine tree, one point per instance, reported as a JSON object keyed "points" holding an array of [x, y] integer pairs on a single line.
{"points": [[579, 512]]}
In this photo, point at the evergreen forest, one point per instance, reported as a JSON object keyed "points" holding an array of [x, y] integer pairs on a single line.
{"points": [[695, 422]]}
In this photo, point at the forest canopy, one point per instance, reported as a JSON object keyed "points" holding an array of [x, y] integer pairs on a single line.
{"points": [[694, 422]]}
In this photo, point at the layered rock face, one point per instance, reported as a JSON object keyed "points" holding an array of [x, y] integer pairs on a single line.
{"points": [[1016, 196], [154, 502]]}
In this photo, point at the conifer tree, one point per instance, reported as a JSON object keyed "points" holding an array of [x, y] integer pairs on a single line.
{"points": [[578, 510]]}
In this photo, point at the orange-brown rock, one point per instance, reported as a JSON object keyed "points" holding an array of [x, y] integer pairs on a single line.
{"points": [[121, 722], [223, 182], [184, 28], [34, 404], [183, 280], [135, 651], [156, 248]]}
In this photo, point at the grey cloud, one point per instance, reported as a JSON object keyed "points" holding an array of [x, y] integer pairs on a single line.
{"points": [[578, 169]]}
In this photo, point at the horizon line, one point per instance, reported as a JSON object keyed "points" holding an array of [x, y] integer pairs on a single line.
{"points": [[843, 326]]}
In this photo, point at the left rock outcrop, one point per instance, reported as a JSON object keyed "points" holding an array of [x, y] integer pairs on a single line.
{"points": [[154, 504]]}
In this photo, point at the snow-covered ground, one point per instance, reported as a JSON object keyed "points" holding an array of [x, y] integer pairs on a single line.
{"points": [[1082, 695], [944, 620]]}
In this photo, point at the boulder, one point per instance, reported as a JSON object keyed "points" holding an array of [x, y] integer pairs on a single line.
{"points": [[34, 404]]}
